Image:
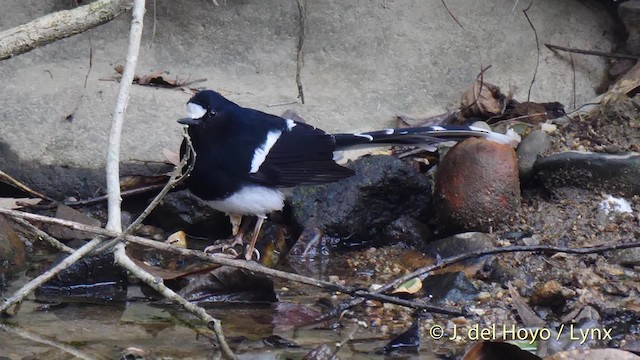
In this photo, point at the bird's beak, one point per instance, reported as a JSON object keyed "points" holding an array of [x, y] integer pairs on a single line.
{"points": [[189, 121]]}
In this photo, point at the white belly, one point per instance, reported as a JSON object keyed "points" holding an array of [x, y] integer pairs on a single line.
{"points": [[251, 200]]}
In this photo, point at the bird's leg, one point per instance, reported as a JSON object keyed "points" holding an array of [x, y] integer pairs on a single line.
{"points": [[248, 254], [235, 221]]}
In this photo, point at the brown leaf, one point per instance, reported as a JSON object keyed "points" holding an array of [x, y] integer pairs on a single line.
{"points": [[482, 99], [171, 156]]}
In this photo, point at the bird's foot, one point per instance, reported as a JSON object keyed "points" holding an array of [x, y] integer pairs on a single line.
{"points": [[226, 248], [248, 256]]}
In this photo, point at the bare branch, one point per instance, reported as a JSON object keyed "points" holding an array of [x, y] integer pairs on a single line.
{"points": [[59, 25], [113, 150]]}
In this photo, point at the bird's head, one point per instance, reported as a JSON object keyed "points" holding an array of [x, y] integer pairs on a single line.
{"points": [[203, 106]]}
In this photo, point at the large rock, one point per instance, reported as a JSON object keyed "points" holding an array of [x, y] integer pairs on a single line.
{"points": [[364, 62], [477, 186], [361, 208]]}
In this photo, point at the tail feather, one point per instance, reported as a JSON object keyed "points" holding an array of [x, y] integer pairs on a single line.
{"points": [[425, 136]]}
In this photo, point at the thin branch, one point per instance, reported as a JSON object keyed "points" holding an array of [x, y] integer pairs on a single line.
{"points": [[113, 150], [302, 16], [377, 295], [535, 32], [44, 236], [176, 177], [451, 14], [156, 283], [241, 264], [59, 25], [424, 271], [592, 52], [113, 185]]}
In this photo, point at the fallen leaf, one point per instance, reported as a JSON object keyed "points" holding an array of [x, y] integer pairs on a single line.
{"points": [[178, 239], [482, 99], [410, 287], [171, 156]]}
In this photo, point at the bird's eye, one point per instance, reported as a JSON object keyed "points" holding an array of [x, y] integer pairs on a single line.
{"points": [[212, 113]]}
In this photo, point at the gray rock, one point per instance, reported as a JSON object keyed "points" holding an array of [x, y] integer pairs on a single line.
{"points": [[532, 146], [460, 244], [449, 287], [359, 208], [616, 174]]}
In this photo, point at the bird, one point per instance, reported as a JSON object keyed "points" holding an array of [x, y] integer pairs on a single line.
{"points": [[245, 157]]}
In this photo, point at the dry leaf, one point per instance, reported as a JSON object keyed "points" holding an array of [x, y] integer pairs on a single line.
{"points": [[482, 100], [178, 239], [171, 156], [410, 287]]}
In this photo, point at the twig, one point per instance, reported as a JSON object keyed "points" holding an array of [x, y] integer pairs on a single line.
{"points": [[255, 267], [592, 52], [176, 177], [573, 80], [59, 25], [302, 16], [86, 79], [24, 291], [113, 150], [156, 283], [241, 264], [29, 335], [535, 32], [421, 272], [6, 178], [44, 236], [114, 199], [451, 14]]}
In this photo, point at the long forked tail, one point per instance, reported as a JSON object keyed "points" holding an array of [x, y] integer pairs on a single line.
{"points": [[425, 136]]}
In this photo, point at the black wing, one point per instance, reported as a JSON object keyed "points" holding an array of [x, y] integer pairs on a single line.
{"points": [[302, 155]]}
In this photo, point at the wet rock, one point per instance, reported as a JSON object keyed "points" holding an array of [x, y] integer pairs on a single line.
{"points": [[359, 208], [617, 174], [95, 279], [408, 341], [12, 251], [230, 286], [477, 185], [532, 146], [181, 210], [450, 287], [461, 244], [409, 232]]}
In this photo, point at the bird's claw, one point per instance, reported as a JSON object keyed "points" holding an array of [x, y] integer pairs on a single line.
{"points": [[248, 256]]}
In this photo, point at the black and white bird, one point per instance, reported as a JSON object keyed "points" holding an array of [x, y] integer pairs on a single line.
{"points": [[244, 156]]}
